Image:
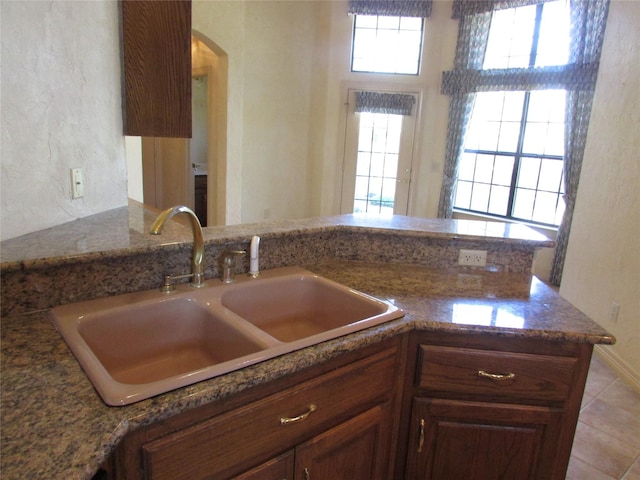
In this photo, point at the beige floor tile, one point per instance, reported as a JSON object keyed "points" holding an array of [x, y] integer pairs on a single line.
{"points": [[634, 471], [586, 400], [603, 451], [579, 470], [615, 421], [620, 395], [599, 378]]}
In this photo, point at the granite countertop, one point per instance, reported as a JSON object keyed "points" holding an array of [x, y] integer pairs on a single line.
{"points": [[124, 231], [54, 425]]}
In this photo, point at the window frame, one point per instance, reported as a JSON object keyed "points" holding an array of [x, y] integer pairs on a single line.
{"points": [[376, 72], [518, 154]]}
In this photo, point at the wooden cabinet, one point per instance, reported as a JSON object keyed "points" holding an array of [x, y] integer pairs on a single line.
{"points": [[355, 449], [156, 47], [488, 408], [280, 468], [458, 439], [349, 451], [427, 405], [337, 423]]}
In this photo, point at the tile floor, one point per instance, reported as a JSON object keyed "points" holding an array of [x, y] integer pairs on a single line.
{"points": [[607, 441]]}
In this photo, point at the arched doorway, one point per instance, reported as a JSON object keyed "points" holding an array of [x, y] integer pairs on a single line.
{"points": [[192, 171]]}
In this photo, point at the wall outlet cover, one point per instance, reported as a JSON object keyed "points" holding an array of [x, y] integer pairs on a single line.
{"points": [[473, 258]]}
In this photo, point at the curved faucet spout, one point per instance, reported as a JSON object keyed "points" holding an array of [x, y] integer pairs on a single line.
{"points": [[197, 264]]}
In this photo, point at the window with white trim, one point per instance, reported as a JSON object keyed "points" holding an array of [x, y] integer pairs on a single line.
{"points": [[386, 44]]}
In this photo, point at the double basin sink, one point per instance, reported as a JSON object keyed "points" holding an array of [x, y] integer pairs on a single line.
{"points": [[138, 345]]}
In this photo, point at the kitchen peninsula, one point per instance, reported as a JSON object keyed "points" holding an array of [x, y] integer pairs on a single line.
{"points": [[54, 424]]}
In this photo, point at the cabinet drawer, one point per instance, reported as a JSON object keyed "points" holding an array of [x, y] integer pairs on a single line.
{"points": [[281, 468], [492, 373], [232, 442]]}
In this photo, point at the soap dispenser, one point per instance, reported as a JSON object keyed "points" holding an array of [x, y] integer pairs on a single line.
{"points": [[254, 264]]}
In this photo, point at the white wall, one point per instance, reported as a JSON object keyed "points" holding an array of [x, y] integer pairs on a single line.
{"points": [[277, 109], [440, 34], [270, 46], [603, 261], [223, 23], [288, 71], [133, 150], [61, 109]]}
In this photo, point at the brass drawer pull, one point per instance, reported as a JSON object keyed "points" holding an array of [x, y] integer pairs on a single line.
{"points": [[299, 418], [421, 440], [496, 376], [307, 474]]}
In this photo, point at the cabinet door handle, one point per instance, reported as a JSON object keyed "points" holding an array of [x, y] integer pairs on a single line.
{"points": [[421, 438], [299, 418], [307, 474], [496, 376]]}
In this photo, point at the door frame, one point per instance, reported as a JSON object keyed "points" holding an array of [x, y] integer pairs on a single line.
{"points": [[345, 88]]}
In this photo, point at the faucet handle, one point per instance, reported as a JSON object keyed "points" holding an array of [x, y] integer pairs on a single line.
{"points": [[167, 283], [229, 256], [229, 264]]}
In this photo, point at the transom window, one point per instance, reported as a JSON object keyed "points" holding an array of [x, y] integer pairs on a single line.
{"points": [[383, 44], [512, 164]]}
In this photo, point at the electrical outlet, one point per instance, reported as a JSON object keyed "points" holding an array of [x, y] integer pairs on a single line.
{"points": [[77, 183], [474, 258]]}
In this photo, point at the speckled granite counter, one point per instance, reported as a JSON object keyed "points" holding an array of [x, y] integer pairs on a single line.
{"points": [[112, 253], [125, 230], [54, 424]]}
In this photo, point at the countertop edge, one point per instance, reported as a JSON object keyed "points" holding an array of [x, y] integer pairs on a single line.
{"points": [[81, 240]]}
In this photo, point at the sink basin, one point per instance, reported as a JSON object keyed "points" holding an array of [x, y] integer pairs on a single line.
{"points": [[140, 347], [147, 343], [142, 344], [301, 306]]}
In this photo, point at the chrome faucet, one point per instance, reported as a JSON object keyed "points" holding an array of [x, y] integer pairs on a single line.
{"points": [[228, 261], [197, 264]]}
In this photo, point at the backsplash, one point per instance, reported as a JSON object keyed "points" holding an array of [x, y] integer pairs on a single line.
{"points": [[43, 283]]}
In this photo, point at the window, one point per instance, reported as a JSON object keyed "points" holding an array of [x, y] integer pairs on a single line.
{"points": [[386, 44], [378, 152], [511, 165], [544, 32], [377, 164]]}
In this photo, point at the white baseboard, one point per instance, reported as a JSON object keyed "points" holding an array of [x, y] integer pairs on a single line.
{"points": [[619, 367]]}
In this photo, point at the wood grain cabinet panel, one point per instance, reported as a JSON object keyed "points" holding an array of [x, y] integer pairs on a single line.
{"points": [[473, 440], [279, 468], [354, 450], [482, 407], [342, 417], [504, 374], [156, 51], [219, 445]]}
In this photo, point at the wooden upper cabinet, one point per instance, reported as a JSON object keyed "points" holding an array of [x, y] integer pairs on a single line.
{"points": [[156, 43]]}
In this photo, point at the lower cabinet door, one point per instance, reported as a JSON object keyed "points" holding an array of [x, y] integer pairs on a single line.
{"points": [[354, 450], [280, 468], [452, 439]]}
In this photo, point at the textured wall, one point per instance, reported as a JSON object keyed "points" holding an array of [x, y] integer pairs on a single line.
{"points": [[269, 47], [61, 109], [603, 265]]}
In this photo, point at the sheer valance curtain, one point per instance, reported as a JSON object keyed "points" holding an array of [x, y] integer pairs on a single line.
{"points": [[391, 8], [389, 103], [578, 77]]}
